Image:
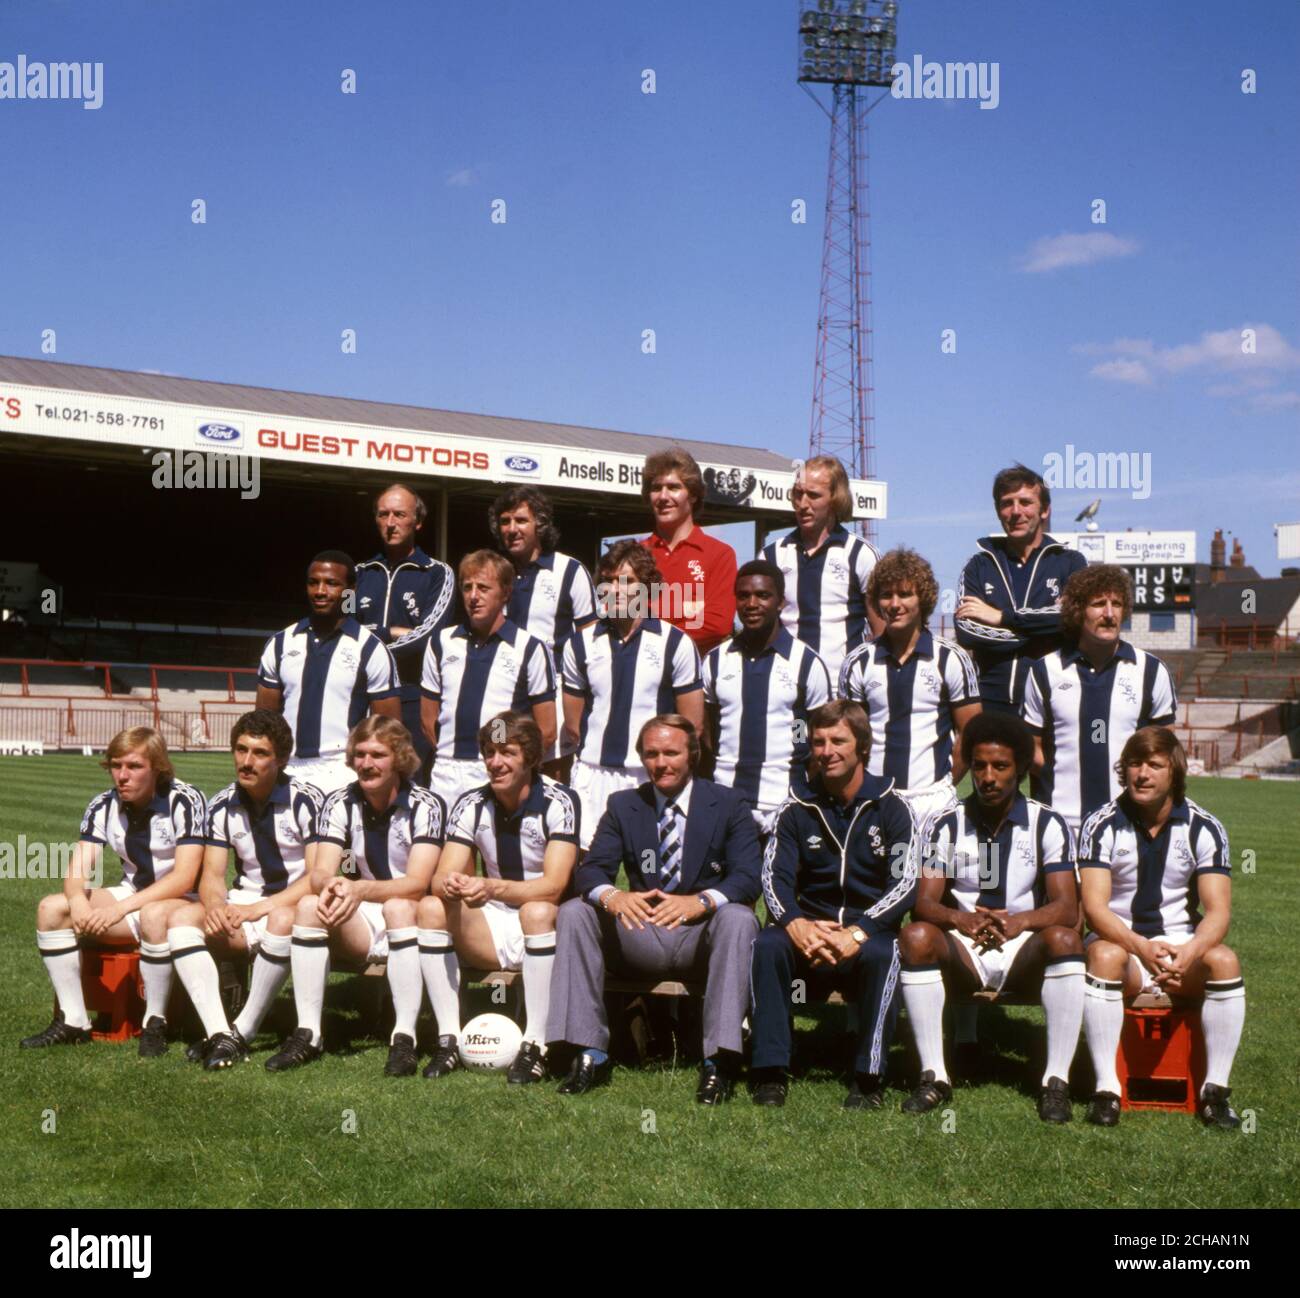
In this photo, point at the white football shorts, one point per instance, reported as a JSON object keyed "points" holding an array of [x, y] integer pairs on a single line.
{"points": [[593, 785]]}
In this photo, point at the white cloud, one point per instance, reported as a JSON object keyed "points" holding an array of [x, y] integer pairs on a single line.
{"points": [[1123, 370], [1275, 400], [463, 178], [1060, 250]]}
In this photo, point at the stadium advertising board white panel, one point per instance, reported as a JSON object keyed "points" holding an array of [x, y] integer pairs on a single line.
{"points": [[1132, 547], [132, 421]]}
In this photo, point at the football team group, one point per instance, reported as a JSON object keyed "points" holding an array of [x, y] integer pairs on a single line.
{"points": [[513, 769]]}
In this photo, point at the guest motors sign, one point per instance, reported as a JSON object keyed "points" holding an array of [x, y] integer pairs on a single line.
{"points": [[159, 425]]}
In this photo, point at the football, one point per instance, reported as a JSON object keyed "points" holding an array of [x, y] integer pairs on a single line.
{"points": [[490, 1041]]}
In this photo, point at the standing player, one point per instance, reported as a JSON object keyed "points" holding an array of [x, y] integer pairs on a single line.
{"points": [[1009, 596], [698, 572], [1084, 701], [270, 820], [323, 672], [839, 874], [1150, 861], [525, 828], [404, 596], [759, 687], [384, 833], [552, 595], [996, 909], [918, 689], [154, 822], [618, 673], [474, 671], [826, 567]]}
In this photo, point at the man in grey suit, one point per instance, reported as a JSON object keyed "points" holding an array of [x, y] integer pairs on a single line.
{"points": [[692, 858]]}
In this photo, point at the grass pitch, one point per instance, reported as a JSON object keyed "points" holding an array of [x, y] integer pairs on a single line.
{"points": [[98, 1127]]}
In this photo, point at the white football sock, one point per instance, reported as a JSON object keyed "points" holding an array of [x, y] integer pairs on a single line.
{"points": [[197, 971], [923, 995], [309, 959], [1222, 1015], [1103, 1022], [966, 1024], [270, 971], [62, 958], [441, 972], [156, 971], [1063, 1009], [539, 960], [404, 979]]}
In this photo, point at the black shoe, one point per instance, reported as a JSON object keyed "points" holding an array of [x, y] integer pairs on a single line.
{"points": [[771, 1094], [153, 1040], [296, 1051], [865, 1092], [224, 1050], [197, 1051], [585, 1075], [529, 1065], [928, 1095], [402, 1059], [57, 1034], [1054, 1101], [1214, 1109], [1103, 1109], [716, 1086], [446, 1058]]}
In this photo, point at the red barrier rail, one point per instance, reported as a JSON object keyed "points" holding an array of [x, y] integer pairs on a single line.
{"points": [[24, 664]]}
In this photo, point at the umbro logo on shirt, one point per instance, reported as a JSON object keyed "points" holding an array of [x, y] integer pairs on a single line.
{"points": [[1065, 685], [814, 842], [293, 653], [988, 588]]}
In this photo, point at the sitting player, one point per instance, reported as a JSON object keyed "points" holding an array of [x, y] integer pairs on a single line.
{"points": [[1149, 861], [384, 834], [996, 910], [154, 822], [271, 822], [525, 827]]}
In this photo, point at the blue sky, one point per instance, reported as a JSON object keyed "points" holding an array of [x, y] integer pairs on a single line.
{"points": [[671, 211]]}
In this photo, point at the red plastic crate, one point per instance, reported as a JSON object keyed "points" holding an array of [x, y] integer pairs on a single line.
{"points": [[1161, 1061]]}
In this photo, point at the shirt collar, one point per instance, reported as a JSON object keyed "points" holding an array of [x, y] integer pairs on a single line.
{"points": [[783, 644], [838, 535], [279, 793], [872, 789], [507, 631], [417, 558], [924, 647], [604, 626], [1124, 652], [533, 804], [1018, 815], [349, 626], [683, 799], [656, 542], [401, 802], [1180, 814]]}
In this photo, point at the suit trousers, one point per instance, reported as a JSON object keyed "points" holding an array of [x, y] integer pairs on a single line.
{"points": [[784, 978], [588, 941]]}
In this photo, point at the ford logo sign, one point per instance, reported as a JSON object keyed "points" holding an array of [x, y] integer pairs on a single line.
{"points": [[219, 433], [521, 464]]}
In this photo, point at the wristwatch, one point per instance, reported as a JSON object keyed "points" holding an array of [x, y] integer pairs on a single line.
{"points": [[858, 935], [707, 902]]}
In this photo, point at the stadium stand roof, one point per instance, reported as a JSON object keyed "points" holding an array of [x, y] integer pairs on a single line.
{"points": [[1276, 599]]}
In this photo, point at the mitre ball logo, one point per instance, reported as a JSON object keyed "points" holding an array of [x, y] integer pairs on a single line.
{"points": [[490, 1041]]}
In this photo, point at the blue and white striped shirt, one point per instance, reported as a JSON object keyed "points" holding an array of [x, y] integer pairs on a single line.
{"points": [[1153, 881], [381, 841], [552, 598], [826, 593], [328, 682], [270, 847], [508, 672], [624, 683], [910, 705], [513, 845], [1085, 717], [1003, 871], [146, 839], [763, 704]]}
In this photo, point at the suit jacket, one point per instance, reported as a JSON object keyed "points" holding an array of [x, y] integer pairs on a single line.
{"points": [[720, 852]]}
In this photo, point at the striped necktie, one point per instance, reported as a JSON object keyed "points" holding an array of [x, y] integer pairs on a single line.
{"points": [[670, 849]]}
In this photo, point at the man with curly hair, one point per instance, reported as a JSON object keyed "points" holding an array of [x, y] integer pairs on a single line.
{"points": [[1085, 700], [919, 689]]}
